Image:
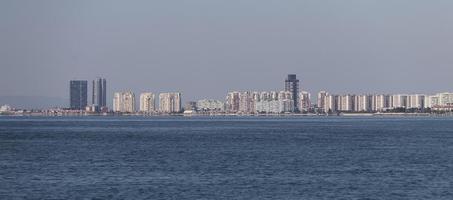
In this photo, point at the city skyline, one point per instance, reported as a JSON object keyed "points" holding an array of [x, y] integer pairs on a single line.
{"points": [[91, 94], [247, 100], [289, 100], [353, 46]]}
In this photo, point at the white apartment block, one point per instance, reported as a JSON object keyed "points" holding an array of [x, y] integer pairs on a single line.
{"points": [[266, 106], [445, 99], [440, 101], [274, 106], [362, 103], [246, 102], [232, 102], [170, 102], [431, 101], [124, 102], [282, 95], [322, 95], [416, 101], [380, 102], [274, 95], [346, 103], [304, 101], [398, 101], [147, 102], [331, 103], [273, 102]]}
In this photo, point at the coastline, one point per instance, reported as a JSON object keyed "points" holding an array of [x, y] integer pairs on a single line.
{"points": [[83, 114]]}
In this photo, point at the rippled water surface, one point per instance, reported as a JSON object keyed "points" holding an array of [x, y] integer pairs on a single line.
{"points": [[225, 158]]}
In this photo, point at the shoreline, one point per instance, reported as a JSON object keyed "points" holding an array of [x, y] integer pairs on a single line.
{"points": [[450, 114]]}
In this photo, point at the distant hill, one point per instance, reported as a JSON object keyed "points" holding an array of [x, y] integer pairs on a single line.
{"points": [[33, 102]]}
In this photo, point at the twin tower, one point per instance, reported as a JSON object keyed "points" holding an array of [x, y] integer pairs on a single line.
{"points": [[78, 94]]}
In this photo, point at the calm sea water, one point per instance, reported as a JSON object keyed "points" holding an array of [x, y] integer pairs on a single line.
{"points": [[226, 158]]}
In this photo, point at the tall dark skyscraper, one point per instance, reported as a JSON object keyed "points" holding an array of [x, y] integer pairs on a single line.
{"points": [[292, 85], [78, 94], [99, 92]]}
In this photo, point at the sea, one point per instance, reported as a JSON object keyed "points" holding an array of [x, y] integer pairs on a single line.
{"points": [[292, 157]]}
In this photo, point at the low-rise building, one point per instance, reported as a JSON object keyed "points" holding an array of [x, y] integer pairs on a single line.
{"points": [[210, 105]]}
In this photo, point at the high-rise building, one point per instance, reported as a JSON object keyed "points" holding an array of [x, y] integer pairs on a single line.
{"points": [[246, 102], [147, 102], [292, 85], [416, 101], [398, 101], [380, 102], [124, 102], [346, 103], [170, 102], [232, 102], [273, 95], [305, 102], [286, 101], [99, 92], [331, 104], [255, 98], [322, 95], [362, 103], [78, 94], [445, 99], [441, 101], [274, 102], [431, 101]]}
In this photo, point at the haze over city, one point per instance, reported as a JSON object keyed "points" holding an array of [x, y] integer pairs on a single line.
{"points": [[205, 48]]}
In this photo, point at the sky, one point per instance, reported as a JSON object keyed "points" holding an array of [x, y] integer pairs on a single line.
{"points": [[205, 48]]}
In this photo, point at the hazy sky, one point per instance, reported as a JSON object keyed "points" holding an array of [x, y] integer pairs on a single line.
{"points": [[205, 48]]}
